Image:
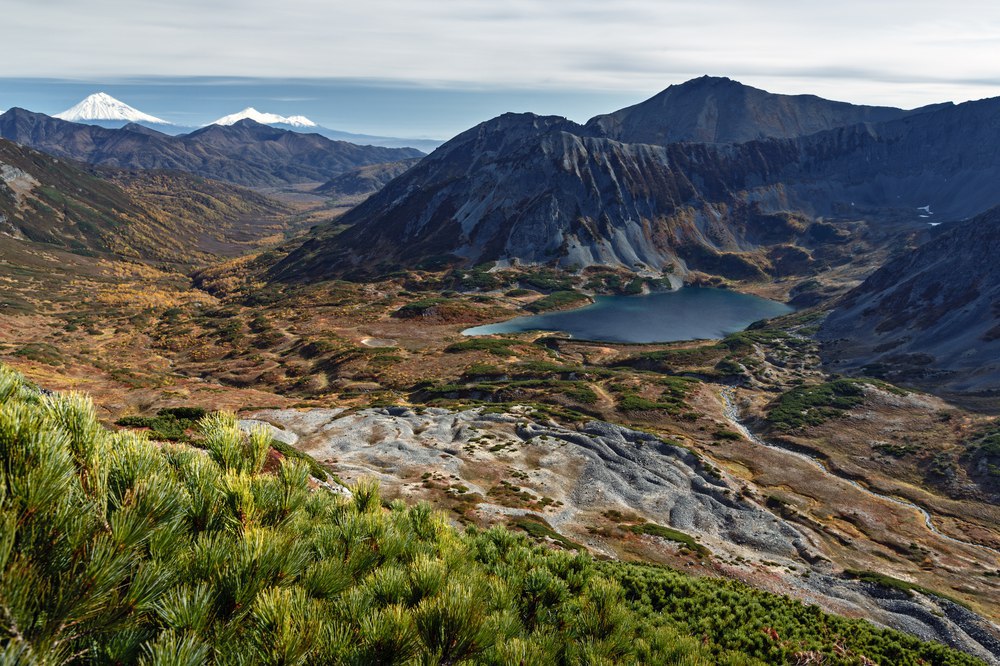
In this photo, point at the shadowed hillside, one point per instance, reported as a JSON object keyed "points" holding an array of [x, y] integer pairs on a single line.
{"points": [[929, 318]]}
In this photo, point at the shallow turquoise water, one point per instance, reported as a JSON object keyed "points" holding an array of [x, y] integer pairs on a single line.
{"points": [[687, 314]]}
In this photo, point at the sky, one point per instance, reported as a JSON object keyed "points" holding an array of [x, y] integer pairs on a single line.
{"points": [[419, 58]]}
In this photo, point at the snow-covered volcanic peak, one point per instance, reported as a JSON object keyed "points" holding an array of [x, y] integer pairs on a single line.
{"points": [[264, 119], [101, 106]]}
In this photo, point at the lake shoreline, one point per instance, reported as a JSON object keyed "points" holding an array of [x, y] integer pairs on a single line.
{"points": [[690, 313]]}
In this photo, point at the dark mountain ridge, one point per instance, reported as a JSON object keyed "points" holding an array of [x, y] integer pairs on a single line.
{"points": [[532, 189], [246, 153], [719, 110]]}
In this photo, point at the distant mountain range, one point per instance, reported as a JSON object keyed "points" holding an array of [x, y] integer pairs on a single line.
{"points": [[667, 186], [245, 153], [423, 145], [303, 124], [104, 110]]}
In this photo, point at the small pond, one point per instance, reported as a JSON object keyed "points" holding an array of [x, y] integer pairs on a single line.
{"points": [[686, 314]]}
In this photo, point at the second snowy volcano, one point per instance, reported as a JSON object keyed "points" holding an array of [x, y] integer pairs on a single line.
{"points": [[264, 119]]}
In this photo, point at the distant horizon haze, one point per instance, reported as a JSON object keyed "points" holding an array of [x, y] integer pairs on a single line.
{"points": [[376, 107], [384, 108]]}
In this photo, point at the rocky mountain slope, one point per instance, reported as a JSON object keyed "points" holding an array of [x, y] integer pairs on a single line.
{"points": [[719, 110], [539, 190], [245, 153], [931, 317], [535, 189]]}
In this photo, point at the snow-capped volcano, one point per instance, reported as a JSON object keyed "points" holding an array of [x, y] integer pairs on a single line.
{"points": [[264, 119], [101, 106]]}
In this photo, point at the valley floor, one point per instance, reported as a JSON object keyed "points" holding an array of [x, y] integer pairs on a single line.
{"points": [[377, 380]]}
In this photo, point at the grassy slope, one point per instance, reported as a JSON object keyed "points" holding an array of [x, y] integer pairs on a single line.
{"points": [[114, 549], [150, 215]]}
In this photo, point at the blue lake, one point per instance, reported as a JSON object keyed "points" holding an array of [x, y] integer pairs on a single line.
{"points": [[686, 314]]}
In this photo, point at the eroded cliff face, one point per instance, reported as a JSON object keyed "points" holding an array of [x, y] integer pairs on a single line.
{"points": [[930, 318], [532, 189]]}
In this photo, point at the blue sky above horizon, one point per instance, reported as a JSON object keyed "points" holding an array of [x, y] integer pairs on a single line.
{"points": [[434, 68], [383, 108]]}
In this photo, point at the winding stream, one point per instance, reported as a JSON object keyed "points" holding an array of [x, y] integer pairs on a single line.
{"points": [[732, 414]]}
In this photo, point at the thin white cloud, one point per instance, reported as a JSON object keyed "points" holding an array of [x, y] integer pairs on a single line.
{"points": [[891, 51]]}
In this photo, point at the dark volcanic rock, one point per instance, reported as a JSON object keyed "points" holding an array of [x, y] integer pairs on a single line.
{"points": [[246, 153], [930, 318]]}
